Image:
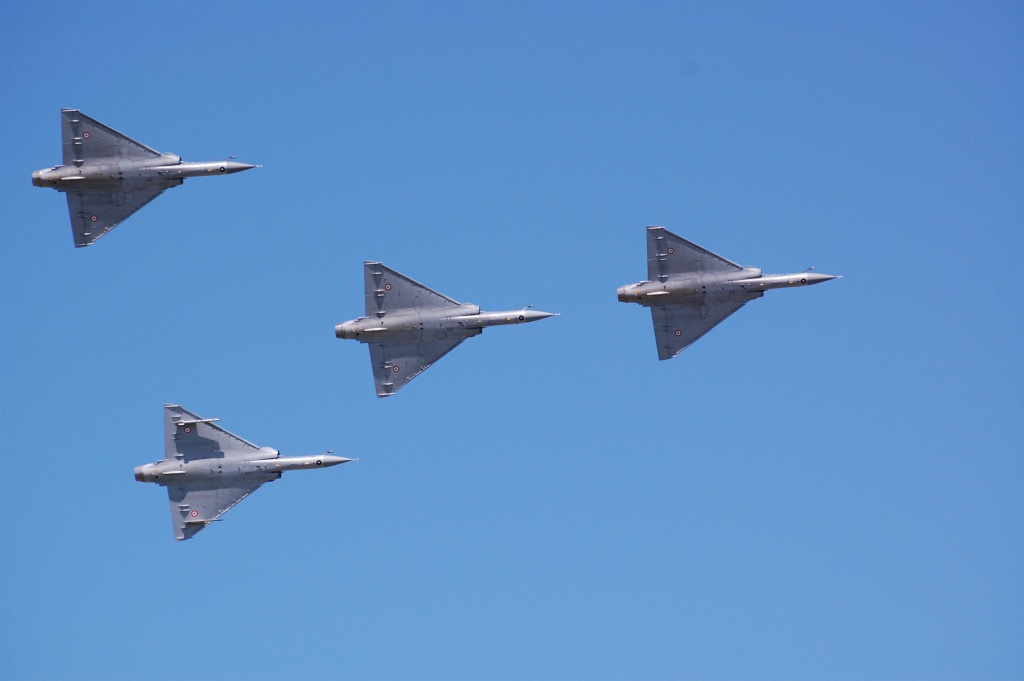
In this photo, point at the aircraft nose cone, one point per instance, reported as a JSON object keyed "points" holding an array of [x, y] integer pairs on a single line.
{"points": [[236, 167], [331, 460], [534, 315], [815, 278]]}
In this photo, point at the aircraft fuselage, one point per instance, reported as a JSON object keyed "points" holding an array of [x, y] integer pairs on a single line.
{"points": [[688, 286], [439, 321], [265, 461], [113, 171]]}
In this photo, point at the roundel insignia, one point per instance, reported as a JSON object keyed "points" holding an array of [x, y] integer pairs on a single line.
{"points": [[187, 429], [93, 218], [86, 135], [671, 250], [194, 513], [678, 333], [395, 369], [387, 287]]}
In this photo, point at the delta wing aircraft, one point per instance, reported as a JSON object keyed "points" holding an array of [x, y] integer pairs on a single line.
{"points": [[208, 470], [409, 327], [690, 290], [107, 176]]}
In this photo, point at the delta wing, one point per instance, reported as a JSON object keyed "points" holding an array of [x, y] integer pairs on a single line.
{"points": [[388, 291], [677, 326], [669, 254]]}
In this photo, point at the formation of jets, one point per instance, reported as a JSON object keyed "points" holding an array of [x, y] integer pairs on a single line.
{"points": [[108, 176]]}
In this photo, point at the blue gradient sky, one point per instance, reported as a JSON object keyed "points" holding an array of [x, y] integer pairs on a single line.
{"points": [[828, 486]]}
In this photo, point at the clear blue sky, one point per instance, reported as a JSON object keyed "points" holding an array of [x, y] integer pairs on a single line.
{"points": [[827, 486]]}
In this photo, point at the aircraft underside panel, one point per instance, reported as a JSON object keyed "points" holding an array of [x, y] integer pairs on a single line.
{"points": [[388, 291], [94, 212], [669, 254], [396, 362], [677, 326], [195, 504], [187, 439], [85, 139]]}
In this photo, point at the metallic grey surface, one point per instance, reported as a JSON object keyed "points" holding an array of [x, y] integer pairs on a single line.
{"points": [[690, 290], [107, 176], [207, 470], [409, 326]]}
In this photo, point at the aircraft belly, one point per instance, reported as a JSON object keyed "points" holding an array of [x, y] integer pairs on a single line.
{"points": [[673, 298], [391, 336], [90, 183]]}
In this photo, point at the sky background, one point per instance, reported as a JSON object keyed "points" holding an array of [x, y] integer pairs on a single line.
{"points": [[827, 486]]}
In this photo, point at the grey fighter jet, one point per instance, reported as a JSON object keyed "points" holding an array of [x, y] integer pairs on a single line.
{"points": [[208, 470], [691, 290], [108, 176], [409, 327]]}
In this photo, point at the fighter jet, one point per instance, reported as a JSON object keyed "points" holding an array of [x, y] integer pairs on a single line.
{"points": [[409, 327], [208, 470], [690, 290], [108, 176]]}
